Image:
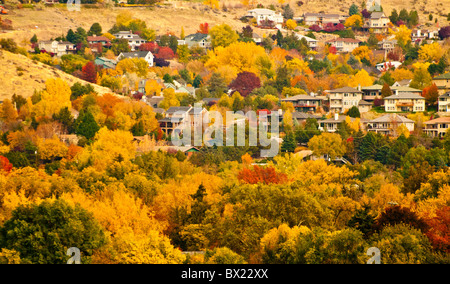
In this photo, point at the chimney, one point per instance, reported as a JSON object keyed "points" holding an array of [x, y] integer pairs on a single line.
{"points": [[396, 92], [336, 116], [359, 87]]}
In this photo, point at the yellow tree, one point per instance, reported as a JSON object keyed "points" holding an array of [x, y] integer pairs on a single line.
{"points": [[431, 52], [329, 144], [354, 21], [222, 35], [241, 56], [360, 78], [291, 24], [288, 123], [170, 99], [152, 88], [401, 74], [55, 97], [363, 52], [403, 35], [52, 148], [8, 113]]}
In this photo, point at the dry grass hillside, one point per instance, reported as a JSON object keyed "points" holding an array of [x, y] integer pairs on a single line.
{"points": [[170, 16], [21, 75]]}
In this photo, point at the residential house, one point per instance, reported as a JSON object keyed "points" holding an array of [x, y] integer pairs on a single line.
{"points": [[405, 89], [299, 118], [105, 63], [333, 124], [420, 35], [385, 66], [377, 22], [261, 15], [174, 117], [370, 93], [152, 101], [304, 103], [312, 43], [404, 101], [180, 88], [134, 41], [196, 115], [388, 124], [257, 38], [344, 44], [442, 82], [437, 127], [364, 106], [344, 98], [444, 102], [58, 48], [146, 55], [320, 19], [387, 44], [104, 41], [198, 39]]}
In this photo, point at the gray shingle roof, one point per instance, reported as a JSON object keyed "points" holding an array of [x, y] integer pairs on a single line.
{"points": [[392, 117], [405, 96], [345, 90]]}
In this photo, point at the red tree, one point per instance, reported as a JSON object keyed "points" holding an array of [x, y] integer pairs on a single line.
{"points": [[153, 47], [89, 72], [245, 83], [439, 230], [258, 174], [431, 94], [203, 28], [165, 52], [5, 164]]}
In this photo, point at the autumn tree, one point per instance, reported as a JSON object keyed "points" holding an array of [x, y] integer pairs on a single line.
{"points": [[260, 174], [203, 28], [89, 72], [8, 112], [431, 95], [329, 144], [222, 35], [245, 83], [55, 96], [170, 99], [32, 227], [354, 21]]}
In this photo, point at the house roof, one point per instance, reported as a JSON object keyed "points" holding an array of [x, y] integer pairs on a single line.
{"points": [[391, 118], [445, 76], [345, 90], [135, 54], [446, 95], [301, 97], [196, 37], [377, 15], [404, 82], [405, 89], [405, 95], [303, 115], [180, 108], [364, 103], [439, 120], [373, 87], [350, 40], [320, 15], [98, 38]]}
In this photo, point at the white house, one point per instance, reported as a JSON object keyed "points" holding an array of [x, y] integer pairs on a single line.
{"points": [[265, 14], [312, 43], [410, 102], [146, 55], [444, 102], [57, 47], [198, 39], [384, 66], [344, 44], [134, 41]]}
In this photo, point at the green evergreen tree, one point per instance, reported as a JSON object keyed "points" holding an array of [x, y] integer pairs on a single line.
{"points": [[86, 125]]}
